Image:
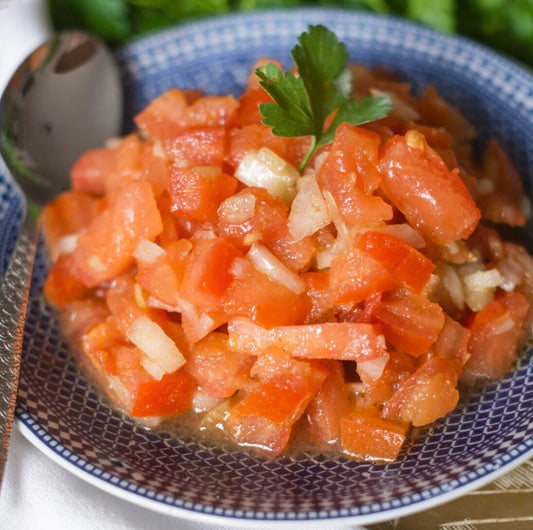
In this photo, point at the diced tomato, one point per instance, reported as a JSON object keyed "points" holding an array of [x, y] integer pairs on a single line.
{"points": [[264, 418], [170, 114], [90, 171], [439, 113], [267, 303], [123, 304], [319, 293], [399, 367], [219, 371], [498, 167], [61, 287], [267, 225], [248, 111], [345, 341], [169, 396], [496, 207], [429, 394], [432, 198], [68, 215], [159, 280], [155, 168], [367, 437], [410, 323], [349, 173], [198, 147], [106, 249], [100, 342], [452, 343], [207, 276], [196, 193], [80, 316], [329, 405], [496, 332], [404, 262], [356, 275]]}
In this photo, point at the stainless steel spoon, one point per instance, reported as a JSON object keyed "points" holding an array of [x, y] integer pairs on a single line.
{"points": [[63, 99]]}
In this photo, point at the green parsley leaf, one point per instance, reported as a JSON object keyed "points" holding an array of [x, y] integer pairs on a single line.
{"points": [[303, 104]]}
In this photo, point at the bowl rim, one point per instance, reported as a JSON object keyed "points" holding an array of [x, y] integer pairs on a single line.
{"points": [[39, 437]]}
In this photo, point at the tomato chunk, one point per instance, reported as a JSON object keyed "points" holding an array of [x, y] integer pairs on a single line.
{"points": [[411, 323], [61, 287], [365, 436], [432, 198], [496, 332], [199, 147], [429, 394], [207, 276], [403, 261], [196, 193], [219, 371], [106, 249], [342, 341]]}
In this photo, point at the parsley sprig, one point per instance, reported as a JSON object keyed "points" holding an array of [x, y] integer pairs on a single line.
{"points": [[324, 85]]}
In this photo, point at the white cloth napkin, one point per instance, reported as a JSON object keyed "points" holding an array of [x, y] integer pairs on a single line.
{"points": [[38, 494]]}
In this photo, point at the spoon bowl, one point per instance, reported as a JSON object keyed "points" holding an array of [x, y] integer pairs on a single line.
{"points": [[63, 99]]}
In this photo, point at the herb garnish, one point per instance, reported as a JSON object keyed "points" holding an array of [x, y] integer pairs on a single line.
{"points": [[302, 104]]}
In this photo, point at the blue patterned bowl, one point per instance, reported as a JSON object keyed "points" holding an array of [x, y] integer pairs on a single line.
{"points": [[485, 436]]}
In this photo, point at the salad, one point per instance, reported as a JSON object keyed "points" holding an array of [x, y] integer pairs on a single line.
{"points": [[316, 258]]}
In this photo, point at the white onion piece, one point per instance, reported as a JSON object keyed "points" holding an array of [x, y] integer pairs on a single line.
{"points": [[120, 392], [157, 304], [372, 369], [453, 285], [67, 244], [239, 267], [264, 261], [237, 209], [266, 169], [483, 280], [158, 347], [204, 235], [400, 108], [147, 252], [202, 402], [309, 211], [478, 286], [343, 236]]}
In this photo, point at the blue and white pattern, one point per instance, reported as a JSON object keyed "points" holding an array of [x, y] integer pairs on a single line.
{"points": [[489, 432]]}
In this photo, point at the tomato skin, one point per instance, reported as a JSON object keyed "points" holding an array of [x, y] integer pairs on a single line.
{"points": [[496, 332], [106, 249], [196, 193], [405, 263], [248, 112], [433, 199], [207, 276], [356, 275], [367, 437], [219, 371], [198, 147], [410, 323]]}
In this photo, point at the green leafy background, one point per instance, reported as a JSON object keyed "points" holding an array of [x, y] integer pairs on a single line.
{"points": [[506, 25]]}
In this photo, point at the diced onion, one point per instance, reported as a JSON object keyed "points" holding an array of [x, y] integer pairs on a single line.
{"points": [[309, 211], [264, 261], [121, 393], [157, 304], [160, 349], [400, 108], [67, 244], [266, 169], [237, 209], [478, 284], [202, 402], [373, 368], [343, 236], [139, 296], [147, 252], [483, 280]]}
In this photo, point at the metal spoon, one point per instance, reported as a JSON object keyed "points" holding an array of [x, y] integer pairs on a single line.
{"points": [[63, 99]]}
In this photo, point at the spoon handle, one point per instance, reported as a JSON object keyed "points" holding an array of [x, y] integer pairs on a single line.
{"points": [[14, 293]]}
